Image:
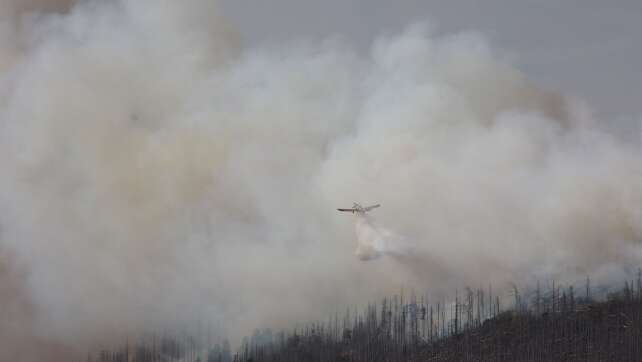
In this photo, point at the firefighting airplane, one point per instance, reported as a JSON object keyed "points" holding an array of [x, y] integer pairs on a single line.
{"points": [[356, 208]]}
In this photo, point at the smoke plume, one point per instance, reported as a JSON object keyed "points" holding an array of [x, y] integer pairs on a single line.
{"points": [[158, 175]]}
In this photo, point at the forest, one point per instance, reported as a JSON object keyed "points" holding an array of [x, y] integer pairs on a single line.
{"points": [[550, 323]]}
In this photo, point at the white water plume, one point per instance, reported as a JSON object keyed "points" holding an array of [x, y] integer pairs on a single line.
{"points": [[374, 241]]}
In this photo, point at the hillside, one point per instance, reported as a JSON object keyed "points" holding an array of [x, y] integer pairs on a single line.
{"points": [[552, 325], [555, 327]]}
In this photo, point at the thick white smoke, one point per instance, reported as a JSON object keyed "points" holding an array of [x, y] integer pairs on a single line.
{"points": [[156, 175]]}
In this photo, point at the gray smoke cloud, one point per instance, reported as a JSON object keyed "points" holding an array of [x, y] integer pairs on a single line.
{"points": [[156, 175]]}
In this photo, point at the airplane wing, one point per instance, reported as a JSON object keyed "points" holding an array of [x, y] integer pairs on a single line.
{"points": [[349, 210], [371, 207]]}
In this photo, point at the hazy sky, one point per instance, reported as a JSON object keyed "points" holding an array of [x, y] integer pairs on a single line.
{"points": [[589, 48], [196, 194]]}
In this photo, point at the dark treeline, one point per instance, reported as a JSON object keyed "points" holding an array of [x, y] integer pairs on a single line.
{"points": [[165, 349], [547, 324]]}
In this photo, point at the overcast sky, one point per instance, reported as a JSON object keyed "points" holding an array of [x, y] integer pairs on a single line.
{"points": [[589, 48]]}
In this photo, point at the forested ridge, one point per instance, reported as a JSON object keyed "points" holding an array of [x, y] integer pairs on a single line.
{"points": [[552, 323]]}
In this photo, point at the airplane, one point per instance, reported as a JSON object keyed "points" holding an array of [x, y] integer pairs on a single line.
{"points": [[356, 208]]}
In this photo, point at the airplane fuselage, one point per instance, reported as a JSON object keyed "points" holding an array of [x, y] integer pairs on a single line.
{"points": [[358, 209]]}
